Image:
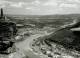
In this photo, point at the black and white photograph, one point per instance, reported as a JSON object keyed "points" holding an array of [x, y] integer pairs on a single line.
{"points": [[39, 28]]}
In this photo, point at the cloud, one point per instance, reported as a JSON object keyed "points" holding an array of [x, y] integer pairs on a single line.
{"points": [[18, 4], [28, 8], [42, 6], [62, 3], [4, 2], [2, 6], [32, 8], [76, 1], [11, 4], [36, 2], [68, 5], [50, 3]]}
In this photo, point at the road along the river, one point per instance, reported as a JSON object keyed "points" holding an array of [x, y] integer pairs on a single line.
{"points": [[24, 47]]}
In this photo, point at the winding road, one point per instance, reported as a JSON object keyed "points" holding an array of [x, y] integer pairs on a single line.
{"points": [[24, 46]]}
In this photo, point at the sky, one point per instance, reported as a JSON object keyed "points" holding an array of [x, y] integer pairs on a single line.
{"points": [[40, 7]]}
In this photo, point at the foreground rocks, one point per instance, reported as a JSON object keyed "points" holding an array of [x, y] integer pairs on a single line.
{"points": [[61, 44]]}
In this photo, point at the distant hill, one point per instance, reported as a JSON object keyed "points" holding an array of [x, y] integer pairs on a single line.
{"points": [[47, 16], [44, 20]]}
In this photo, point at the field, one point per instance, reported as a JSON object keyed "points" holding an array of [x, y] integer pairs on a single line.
{"points": [[33, 30]]}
